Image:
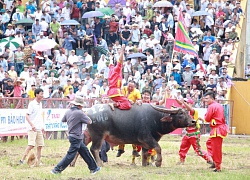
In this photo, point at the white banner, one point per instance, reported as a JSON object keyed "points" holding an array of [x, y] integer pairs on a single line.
{"points": [[53, 120], [13, 121]]}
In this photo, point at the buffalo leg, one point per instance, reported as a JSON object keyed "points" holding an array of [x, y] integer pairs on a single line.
{"points": [[158, 160], [95, 148], [144, 156]]}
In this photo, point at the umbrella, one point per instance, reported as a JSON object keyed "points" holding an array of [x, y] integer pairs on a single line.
{"points": [[44, 44], [69, 22], [25, 22], [106, 11], [137, 55], [92, 14], [114, 2], [163, 4], [200, 13], [10, 42]]}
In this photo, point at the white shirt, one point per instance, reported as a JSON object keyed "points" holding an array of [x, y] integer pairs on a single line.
{"points": [[159, 18], [143, 44], [38, 15], [89, 61], [60, 59], [30, 81], [137, 76], [66, 13], [150, 59], [44, 25], [9, 32], [209, 21], [36, 113], [127, 11], [73, 59], [45, 91]]}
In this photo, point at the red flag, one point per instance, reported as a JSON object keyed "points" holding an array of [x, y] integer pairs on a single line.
{"points": [[183, 42]]}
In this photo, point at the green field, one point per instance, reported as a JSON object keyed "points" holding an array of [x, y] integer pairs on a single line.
{"points": [[236, 163]]}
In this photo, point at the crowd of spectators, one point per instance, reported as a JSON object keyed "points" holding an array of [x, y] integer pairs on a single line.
{"points": [[75, 68]]}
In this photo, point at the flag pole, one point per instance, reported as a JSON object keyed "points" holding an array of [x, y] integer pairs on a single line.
{"points": [[171, 61]]}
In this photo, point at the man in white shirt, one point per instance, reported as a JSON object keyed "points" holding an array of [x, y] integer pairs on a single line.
{"points": [[61, 59], [66, 12], [10, 31], [187, 18], [158, 16], [143, 43], [34, 118], [89, 61], [40, 37], [17, 16], [44, 25], [127, 10], [30, 81], [157, 33], [137, 75], [209, 22], [73, 58]]}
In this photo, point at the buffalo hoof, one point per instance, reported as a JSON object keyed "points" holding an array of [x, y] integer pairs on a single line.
{"points": [[158, 164], [119, 153]]}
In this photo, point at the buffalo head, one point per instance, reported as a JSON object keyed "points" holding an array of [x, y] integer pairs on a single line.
{"points": [[178, 117]]}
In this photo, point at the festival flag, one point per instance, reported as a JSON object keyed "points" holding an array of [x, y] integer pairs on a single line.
{"points": [[183, 42]]}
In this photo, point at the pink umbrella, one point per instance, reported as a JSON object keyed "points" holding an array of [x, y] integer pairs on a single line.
{"points": [[44, 45]]}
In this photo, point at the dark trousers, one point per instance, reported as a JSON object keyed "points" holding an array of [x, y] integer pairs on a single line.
{"points": [[19, 68], [103, 153], [76, 145], [10, 64]]}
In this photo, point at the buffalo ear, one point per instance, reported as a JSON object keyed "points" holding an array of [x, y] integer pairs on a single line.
{"points": [[167, 118]]}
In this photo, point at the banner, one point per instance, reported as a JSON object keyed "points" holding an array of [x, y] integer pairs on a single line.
{"points": [[13, 121], [53, 120]]}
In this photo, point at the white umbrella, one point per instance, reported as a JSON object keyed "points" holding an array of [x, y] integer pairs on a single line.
{"points": [[163, 4], [44, 45]]}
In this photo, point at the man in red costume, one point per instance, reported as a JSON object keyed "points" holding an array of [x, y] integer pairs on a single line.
{"points": [[215, 116], [115, 83], [192, 136]]}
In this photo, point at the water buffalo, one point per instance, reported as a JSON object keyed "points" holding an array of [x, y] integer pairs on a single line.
{"points": [[142, 125]]}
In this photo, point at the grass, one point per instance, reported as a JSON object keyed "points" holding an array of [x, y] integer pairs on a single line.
{"points": [[236, 163]]}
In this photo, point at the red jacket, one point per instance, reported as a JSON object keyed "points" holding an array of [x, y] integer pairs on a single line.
{"points": [[215, 116], [115, 80]]}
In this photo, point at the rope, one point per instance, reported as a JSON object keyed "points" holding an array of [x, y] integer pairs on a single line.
{"points": [[241, 95]]}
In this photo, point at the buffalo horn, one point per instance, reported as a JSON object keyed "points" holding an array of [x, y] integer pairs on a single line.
{"points": [[164, 110]]}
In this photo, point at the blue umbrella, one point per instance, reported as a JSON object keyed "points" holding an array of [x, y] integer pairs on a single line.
{"points": [[137, 55], [92, 14], [69, 22], [200, 13]]}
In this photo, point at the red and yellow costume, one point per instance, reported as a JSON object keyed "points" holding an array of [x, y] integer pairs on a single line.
{"points": [[115, 83], [219, 129], [192, 138]]}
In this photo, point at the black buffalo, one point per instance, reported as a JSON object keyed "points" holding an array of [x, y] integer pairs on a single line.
{"points": [[142, 125]]}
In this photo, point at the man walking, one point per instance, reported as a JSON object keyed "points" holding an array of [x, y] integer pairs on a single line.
{"points": [[75, 119], [215, 116], [34, 118]]}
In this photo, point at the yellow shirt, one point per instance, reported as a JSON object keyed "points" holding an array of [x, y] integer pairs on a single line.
{"points": [[31, 94], [12, 74], [66, 89], [133, 96]]}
